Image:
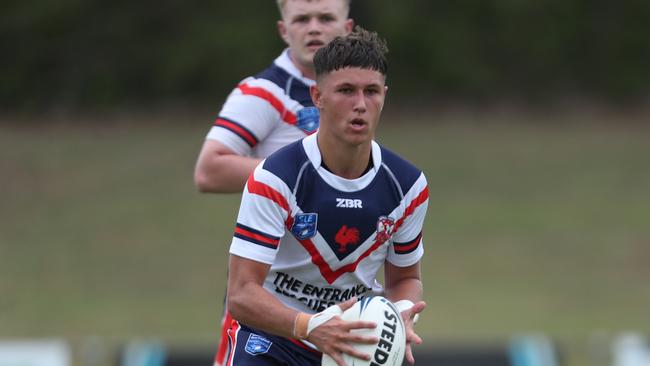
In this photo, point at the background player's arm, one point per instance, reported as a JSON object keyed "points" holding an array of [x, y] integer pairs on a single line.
{"points": [[220, 170], [403, 283]]}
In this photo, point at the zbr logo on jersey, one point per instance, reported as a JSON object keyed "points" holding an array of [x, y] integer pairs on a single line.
{"points": [[304, 225], [349, 203], [308, 119], [385, 228]]}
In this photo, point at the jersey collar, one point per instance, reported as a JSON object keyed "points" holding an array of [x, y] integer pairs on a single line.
{"points": [[310, 144], [284, 61]]}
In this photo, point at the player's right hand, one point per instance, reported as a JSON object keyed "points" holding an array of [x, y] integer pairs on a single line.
{"points": [[333, 337]]}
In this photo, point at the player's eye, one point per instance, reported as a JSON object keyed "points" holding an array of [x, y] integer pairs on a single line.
{"points": [[301, 19], [326, 18]]}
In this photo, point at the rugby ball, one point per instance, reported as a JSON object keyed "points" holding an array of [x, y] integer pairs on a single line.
{"points": [[389, 351]]}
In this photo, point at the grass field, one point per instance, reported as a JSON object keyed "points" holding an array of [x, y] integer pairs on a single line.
{"points": [[538, 224]]}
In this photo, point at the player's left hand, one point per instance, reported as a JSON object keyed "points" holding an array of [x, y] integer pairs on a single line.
{"points": [[410, 315]]}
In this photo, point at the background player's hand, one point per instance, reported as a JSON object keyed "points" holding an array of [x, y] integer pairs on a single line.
{"points": [[409, 317], [334, 337]]}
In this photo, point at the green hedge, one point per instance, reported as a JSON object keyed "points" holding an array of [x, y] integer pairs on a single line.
{"points": [[106, 53]]}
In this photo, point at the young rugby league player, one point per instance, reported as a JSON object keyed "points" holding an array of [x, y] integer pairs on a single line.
{"points": [[319, 218]]}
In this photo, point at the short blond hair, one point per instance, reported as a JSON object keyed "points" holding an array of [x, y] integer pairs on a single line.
{"points": [[281, 4]]}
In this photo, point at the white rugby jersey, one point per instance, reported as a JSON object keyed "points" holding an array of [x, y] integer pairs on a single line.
{"points": [[267, 111], [324, 236]]}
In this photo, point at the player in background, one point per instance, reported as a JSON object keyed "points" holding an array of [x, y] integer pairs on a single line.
{"points": [[267, 111], [320, 217]]}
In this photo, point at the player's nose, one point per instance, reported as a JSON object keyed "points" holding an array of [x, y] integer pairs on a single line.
{"points": [[314, 26], [359, 102]]}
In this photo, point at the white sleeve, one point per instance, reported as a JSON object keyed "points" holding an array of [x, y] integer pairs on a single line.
{"points": [[248, 116], [407, 247], [262, 216]]}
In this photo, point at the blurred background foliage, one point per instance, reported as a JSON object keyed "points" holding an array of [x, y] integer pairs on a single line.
{"points": [[90, 54]]}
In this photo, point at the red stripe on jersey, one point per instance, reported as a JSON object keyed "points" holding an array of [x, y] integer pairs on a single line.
{"points": [[423, 196], [247, 136], [289, 222], [288, 116], [325, 270], [406, 247], [264, 190], [258, 237]]}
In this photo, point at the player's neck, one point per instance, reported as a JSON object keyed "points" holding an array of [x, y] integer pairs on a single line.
{"points": [[306, 71], [349, 162]]}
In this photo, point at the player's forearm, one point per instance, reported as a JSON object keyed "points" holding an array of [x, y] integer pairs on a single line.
{"points": [[223, 173], [254, 306], [403, 283], [405, 289]]}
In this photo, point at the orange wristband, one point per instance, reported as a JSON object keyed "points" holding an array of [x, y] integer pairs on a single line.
{"points": [[300, 325]]}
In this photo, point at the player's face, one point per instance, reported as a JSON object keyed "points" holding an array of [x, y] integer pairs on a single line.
{"points": [[350, 101], [307, 26]]}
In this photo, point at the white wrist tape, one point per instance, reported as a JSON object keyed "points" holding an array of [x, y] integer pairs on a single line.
{"points": [[403, 305], [324, 316]]}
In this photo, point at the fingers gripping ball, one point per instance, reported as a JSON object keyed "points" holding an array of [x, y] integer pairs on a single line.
{"points": [[389, 351], [403, 305]]}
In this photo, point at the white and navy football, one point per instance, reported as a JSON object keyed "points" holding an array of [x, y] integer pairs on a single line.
{"points": [[389, 351]]}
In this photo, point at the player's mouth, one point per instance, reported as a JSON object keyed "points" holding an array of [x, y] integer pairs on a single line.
{"points": [[315, 44], [358, 124]]}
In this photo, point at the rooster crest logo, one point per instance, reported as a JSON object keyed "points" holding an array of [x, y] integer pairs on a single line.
{"points": [[346, 236], [385, 228]]}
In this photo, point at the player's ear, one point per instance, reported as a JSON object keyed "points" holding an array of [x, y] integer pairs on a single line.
{"points": [[315, 95], [385, 93], [349, 25], [282, 30]]}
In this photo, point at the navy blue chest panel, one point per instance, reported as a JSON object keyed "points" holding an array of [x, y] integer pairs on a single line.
{"points": [[346, 219], [296, 89]]}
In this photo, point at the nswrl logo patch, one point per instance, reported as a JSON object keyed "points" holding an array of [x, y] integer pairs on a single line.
{"points": [[257, 344], [304, 225], [308, 119]]}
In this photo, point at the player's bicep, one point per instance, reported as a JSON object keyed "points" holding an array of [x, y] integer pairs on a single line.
{"points": [[245, 287], [210, 150], [402, 282], [243, 271], [394, 274]]}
